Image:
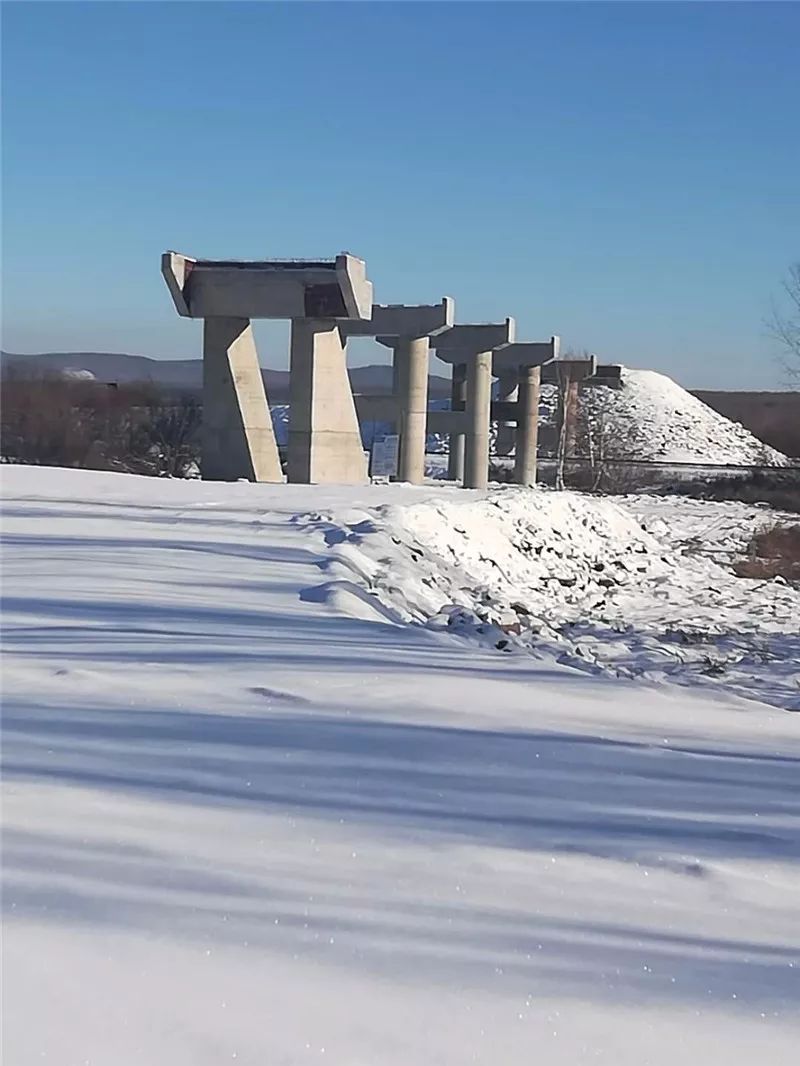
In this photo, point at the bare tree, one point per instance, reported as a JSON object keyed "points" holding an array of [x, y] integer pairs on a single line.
{"points": [[567, 408], [784, 323]]}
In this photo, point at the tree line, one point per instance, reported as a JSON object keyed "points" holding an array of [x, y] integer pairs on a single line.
{"points": [[136, 428]]}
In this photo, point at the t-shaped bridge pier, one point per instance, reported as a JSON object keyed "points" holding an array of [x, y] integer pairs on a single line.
{"points": [[407, 330], [469, 349], [237, 439]]}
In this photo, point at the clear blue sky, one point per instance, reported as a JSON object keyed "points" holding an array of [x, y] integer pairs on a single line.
{"points": [[625, 175]]}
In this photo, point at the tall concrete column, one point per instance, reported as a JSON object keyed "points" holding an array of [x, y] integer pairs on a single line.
{"points": [[479, 398], [324, 438], [398, 387], [411, 358], [458, 396], [527, 425], [506, 393], [237, 438]]}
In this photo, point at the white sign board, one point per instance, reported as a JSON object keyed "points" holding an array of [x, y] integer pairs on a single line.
{"points": [[385, 455]]}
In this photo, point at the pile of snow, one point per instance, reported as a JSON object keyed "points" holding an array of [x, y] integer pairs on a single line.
{"points": [[652, 417], [73, 373], [640, 590]]}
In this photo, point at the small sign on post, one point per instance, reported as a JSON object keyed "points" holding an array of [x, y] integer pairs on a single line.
{"points": [[385, 456]]}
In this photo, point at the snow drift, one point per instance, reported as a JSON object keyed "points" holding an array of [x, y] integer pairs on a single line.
{"points": [[640, 590]]}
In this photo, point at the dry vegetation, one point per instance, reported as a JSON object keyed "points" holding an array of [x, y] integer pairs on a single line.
{"points": [[774, 551], [777, 488], [48, 420]]}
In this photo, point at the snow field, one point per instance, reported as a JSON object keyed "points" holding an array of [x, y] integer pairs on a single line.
{"points": [[251, 814]]}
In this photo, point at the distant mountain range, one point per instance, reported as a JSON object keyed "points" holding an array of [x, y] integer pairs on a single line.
{"points": [[187, 374]]}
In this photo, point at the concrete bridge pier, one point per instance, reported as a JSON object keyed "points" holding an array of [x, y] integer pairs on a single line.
{"points": [[237, 439], [479, 398], [527, 425], [469, 349], [324, 437], [412, 355], [522, 362], [406, 329], [458, 402], [507, 390]]}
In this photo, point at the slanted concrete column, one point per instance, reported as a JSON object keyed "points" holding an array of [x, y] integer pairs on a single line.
{"points": [[411, 360], [479, 398], [506, 393], [527, 425], [458, 396], [324, 438], [237, 438]]}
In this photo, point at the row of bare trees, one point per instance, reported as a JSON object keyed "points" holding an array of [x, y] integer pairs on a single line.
{"points": [[51, 420]]}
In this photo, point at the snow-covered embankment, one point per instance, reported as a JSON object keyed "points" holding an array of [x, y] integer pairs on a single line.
{"points": [[641, 588]]}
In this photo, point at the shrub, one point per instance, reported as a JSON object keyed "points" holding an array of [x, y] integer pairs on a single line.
{"points": [[773, 551]]}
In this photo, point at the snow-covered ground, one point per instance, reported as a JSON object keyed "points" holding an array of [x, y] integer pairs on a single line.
{"points": [[640, 590], [252, 815]]}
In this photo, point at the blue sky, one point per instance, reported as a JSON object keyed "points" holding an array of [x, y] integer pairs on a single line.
{"points": [[625, 175]]}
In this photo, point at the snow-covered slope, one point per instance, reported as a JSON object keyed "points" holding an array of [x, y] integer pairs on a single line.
{"points": [[639, 589], [252, 816]]}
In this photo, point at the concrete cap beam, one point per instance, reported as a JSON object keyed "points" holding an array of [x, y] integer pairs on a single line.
{"points": [[268, 288], [458, 343], [524, 353], [607, 374], [568, 370], [390, 321]]}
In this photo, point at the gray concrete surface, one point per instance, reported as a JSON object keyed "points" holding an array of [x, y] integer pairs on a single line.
{"points": [[324, 438], [388, 321], [268, 288], [458, 402], [412, 354], [527, 434], [237, 439], [467, 338], [524, 353], [479, 396]]}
